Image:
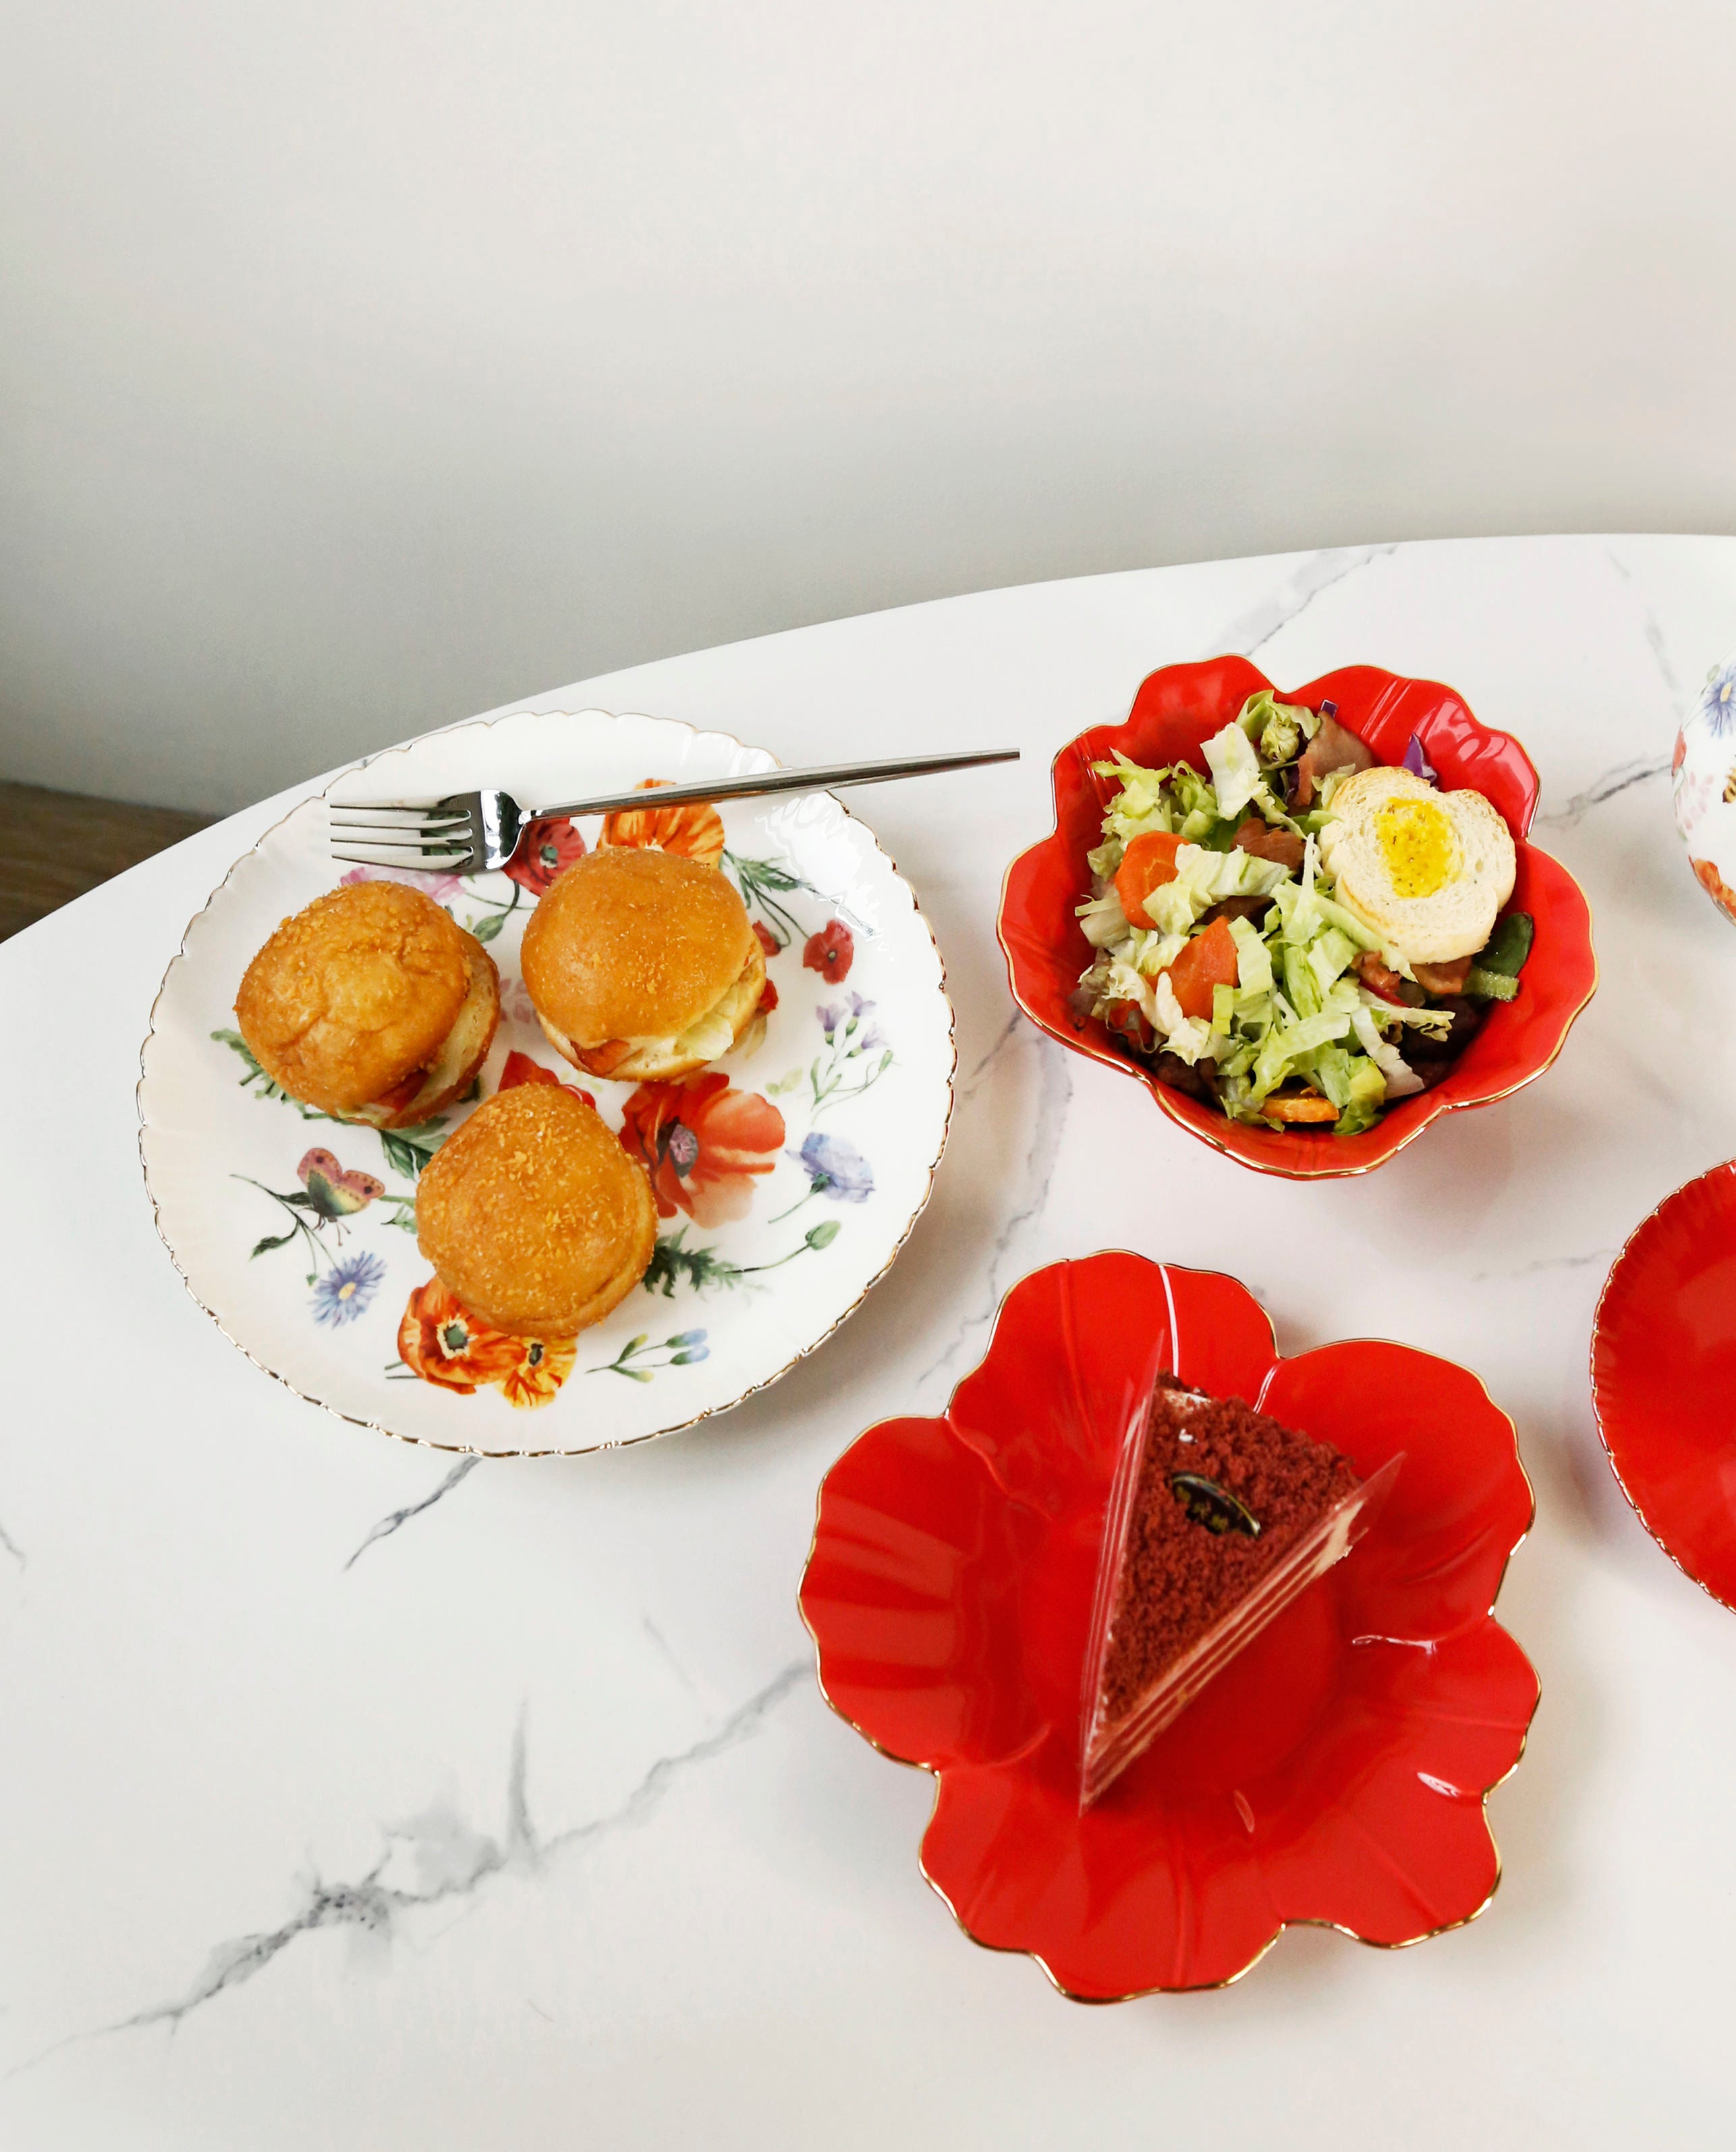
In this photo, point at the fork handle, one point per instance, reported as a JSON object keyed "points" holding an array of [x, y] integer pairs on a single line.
{"points": [[766, 781]]}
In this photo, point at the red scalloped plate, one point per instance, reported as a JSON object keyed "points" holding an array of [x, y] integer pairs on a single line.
{"points": [[1663, 1374], [1334, 1773], [1174, 712]]}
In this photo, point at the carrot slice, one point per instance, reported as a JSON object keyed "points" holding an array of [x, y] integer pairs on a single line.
{"points": [[1299, 1106], [1146, 864], [1208, 961]]}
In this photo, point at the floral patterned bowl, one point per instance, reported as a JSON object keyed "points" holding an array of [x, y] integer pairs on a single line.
{"points": [[1334, 1773], [1174, 711], [808, 1151], [1703, 776]]}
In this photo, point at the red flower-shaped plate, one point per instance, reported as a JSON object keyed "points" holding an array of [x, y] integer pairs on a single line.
{"points": [[1663, 1373], [1174, 712], [1334, 1773]]}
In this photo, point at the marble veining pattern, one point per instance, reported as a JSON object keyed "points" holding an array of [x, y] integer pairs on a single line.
{"points": [[1019, 1041], [451, 1859], [716, 1931], [397, 1518], [1262, 623], [1610, 785]]}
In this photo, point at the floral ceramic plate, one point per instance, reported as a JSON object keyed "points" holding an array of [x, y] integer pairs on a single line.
{"points": [[1664, 1373], [1174, 711], [1703, 779], [1334, 1773], [787, 1176]]}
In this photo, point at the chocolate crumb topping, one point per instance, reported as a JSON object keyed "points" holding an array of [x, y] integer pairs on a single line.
{"points": [[1181, 1572]]}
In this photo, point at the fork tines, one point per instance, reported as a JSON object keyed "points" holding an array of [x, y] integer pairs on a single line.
{"points": [[434, 837]]}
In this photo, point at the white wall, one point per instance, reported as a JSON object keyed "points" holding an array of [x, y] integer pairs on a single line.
{"points": [[365, 364]]}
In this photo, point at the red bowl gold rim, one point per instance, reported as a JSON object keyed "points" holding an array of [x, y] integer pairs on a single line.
{"points": [[1374, 1147]]}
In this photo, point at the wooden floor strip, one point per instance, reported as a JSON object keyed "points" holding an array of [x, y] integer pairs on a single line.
{"points": [[55, 845]]}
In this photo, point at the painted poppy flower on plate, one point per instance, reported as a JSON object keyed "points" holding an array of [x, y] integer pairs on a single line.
{"points": [[704, 1144], [548, 847]]}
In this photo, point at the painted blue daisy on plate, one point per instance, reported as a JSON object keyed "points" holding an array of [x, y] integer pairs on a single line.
{"points": [[836, 1169], [344, 1291], [1717, 700]]}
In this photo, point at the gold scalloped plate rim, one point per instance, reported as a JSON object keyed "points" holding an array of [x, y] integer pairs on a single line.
{"points": [[582, 1449], [1724, 1165], [936, 1771], [1157, 1089]]}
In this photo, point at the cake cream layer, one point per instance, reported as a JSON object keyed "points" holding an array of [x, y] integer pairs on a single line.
{"points": [[1111, 1746]]}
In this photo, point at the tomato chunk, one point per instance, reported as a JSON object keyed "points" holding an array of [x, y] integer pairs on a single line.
{"points": [[1146, 864], [1128, 1018], [403, 1092], [602, 1060], [1208, 961]]}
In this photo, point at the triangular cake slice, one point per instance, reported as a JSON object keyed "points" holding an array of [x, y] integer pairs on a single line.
{"points": [[1218, 1517]]}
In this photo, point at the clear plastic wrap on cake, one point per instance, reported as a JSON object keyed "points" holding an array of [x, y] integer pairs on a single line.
{"points": [[1338, 1509]]}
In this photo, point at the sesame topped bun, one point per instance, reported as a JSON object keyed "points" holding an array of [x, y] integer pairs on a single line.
{"points": [[534, 1214], [642, 964], [371, 1004]]}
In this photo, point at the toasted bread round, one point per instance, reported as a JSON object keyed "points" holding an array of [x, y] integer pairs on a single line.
{"points": [[356, 993], [632, 944], [1429, 870], [535, 1216], [662, 1060]]}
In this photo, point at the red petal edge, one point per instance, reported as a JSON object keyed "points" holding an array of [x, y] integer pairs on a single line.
{"points": [[1174, 711], [1663, 1363], [1335, 1773]]}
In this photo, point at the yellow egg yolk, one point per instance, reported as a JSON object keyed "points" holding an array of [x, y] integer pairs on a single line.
{"points": [[1416, 846]]}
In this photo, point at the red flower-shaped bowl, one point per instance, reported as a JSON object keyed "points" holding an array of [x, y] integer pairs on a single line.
{"points": [[1174, 712], [1663, 1373], [1335, 1772]]}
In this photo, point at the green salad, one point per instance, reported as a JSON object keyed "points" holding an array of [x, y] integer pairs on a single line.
{"points": [[1228, 954]]}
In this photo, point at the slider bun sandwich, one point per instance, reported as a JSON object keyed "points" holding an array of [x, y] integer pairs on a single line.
{"points": [[642, 965], [371, 1005], [534, 1216]]}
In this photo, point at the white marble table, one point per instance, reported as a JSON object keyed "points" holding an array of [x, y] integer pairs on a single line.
{"points": [[353, 1798]]}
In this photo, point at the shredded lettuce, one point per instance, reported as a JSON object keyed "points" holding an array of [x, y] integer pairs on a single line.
{"points": [[1298, 1012], [1139, 804], [1205, 878], [1369, 1091], [1253, 959], [1278, 728], [1331, 953], [1103, 921], [1235, 772], [1401, 1079], [1182, 1035]]}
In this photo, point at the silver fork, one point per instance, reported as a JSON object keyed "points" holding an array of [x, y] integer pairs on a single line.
{"points": [[478, 832]]}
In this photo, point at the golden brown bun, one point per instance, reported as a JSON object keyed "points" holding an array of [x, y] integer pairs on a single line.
{"points": [[535, 1216], [633, 943], [351, 995], [662, 1060], [461, 1055]]}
